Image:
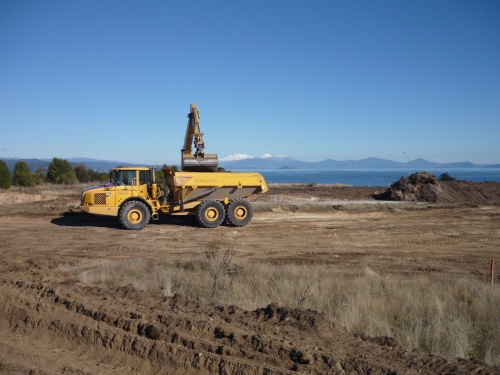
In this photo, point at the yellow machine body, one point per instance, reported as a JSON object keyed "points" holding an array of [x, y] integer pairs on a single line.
{"points": [[188, 189], [182, 194], [126, 184]]}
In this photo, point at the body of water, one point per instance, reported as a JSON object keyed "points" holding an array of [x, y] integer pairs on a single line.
{"points": [[371, 177]]}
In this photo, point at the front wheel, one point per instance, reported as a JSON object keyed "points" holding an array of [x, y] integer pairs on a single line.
{"points": [[134, 215], [239, 212], [210, 214]]}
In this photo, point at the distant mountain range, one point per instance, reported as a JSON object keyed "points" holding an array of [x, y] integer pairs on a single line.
{"points": [[283, 162], [269, 162]]}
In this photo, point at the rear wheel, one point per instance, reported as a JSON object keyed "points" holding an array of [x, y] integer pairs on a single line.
{"points": [[239, 212], [210, 214], [134, 215]]}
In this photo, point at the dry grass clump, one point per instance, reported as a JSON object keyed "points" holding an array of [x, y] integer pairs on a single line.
{"points": [[142, 274], [447, 316]]}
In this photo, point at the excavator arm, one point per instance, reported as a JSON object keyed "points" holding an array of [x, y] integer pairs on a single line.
{"points": [[197, 161], [193, 132]]}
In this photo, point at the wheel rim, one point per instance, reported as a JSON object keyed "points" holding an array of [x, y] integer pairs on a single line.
{"points": [[134, 216], [240, 212], [211, 214]]}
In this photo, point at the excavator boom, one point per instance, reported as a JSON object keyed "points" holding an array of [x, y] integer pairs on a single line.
{"points": [[197, 161]]}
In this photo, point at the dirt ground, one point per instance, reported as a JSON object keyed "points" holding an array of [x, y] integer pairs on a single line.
{"points": [[50, 323]]}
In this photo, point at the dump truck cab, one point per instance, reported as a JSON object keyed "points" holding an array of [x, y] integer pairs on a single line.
{"points": [[131, 190]]}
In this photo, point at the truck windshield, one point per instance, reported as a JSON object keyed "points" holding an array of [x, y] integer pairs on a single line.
{"points": [[123, 178], [116, 177]]}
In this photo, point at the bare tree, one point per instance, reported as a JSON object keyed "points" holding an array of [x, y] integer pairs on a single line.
{"points": [[217, 263]]}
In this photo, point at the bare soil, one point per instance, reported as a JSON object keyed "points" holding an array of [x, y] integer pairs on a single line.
{"points": [[50, 323]]}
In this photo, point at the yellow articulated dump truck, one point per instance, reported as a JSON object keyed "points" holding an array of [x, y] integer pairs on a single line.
{"points": [[212, 197]]}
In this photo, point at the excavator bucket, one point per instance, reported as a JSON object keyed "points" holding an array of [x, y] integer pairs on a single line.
{"points": [[208, 163], [197, 161]]}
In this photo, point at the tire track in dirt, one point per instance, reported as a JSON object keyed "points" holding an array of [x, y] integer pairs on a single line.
{"points": [[134, 332], [439, 241], [121, 335]]}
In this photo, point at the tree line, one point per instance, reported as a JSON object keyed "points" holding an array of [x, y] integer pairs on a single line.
{"points": [[59, 171]]}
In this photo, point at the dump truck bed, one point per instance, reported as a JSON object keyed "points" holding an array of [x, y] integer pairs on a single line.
{"points": [[214, 179], [186, 189]]}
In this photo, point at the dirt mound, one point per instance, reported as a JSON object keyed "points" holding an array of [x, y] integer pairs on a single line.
{"points": [[74, 329], [473, 192], [421, 186], [425, 187]]}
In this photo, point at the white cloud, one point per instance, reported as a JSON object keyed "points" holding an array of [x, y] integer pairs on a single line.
{"points": [[236, 157], [267, 156]]}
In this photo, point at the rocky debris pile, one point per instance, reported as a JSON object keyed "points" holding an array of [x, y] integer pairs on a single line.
{"points": [[420, 186], [425, 187]]}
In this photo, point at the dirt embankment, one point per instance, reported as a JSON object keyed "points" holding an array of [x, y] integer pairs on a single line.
{"points": [[80, 329]]}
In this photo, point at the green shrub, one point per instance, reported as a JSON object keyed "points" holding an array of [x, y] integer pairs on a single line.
{"points": [[39, 176], [98, 176], [446, 177], [61, 172], [160, 176], [89, 175], [81, 172], [5, 176], [22, 175]]}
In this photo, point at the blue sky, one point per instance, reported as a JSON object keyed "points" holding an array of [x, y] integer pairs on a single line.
{"points": [[311, 80]]}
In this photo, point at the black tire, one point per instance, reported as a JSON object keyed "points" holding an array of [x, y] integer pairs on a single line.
{"points": [[210, 214], [239, 212], [134, 215]]}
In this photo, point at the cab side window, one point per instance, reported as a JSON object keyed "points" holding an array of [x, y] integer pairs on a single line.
{"points": [[143, 177]]}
